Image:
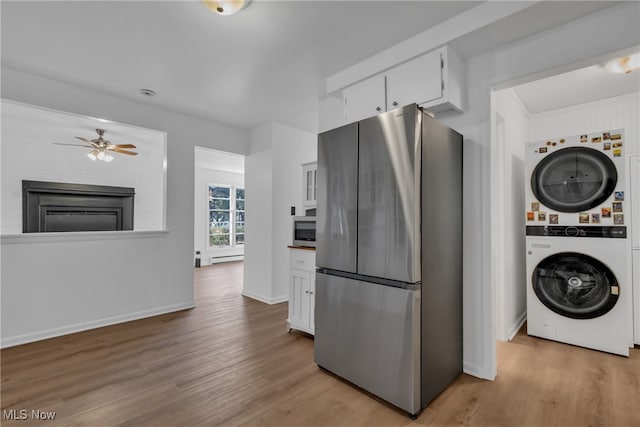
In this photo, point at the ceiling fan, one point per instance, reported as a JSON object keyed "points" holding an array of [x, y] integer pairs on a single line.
{"points": [[101, 148]]}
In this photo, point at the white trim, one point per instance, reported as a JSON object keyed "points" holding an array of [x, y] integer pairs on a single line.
{"points": [[571, 108], [9, 239], [497, 221], [515, 327], [79, 327], [265, 299], [475, 370]]}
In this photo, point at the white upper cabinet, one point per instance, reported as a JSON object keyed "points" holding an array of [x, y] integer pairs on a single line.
{"points": [[309, 174], [419, 81], [365, 99], [433, 81]]}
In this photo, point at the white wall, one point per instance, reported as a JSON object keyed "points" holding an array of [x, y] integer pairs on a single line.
{"points": [[511, 302], [205, 177], [273, 183], [28, 152], [560, 49], [143, 273]]}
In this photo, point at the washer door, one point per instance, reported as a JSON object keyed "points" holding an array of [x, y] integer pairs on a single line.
{"points": [[574, 179], [575, 285]]}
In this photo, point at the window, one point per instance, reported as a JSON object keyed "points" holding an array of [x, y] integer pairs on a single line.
{"points": [[226, 215]]}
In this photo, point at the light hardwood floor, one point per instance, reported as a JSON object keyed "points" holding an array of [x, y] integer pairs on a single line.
{"points": [[230, 362]]}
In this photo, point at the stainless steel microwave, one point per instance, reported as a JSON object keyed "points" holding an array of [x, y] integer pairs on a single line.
{"points": [[304, 231]]}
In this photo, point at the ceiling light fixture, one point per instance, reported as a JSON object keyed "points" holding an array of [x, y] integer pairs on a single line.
{"points": [[226, 7], [624, 65]]}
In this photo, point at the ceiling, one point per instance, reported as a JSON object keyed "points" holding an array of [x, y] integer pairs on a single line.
{"points": [[267, 63], [576, 87]]}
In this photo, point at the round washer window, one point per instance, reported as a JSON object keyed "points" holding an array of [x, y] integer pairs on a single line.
{"points": [[574, 179], [575, 285]]}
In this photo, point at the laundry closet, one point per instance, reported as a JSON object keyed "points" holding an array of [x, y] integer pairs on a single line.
{"points": [[568, 184]]}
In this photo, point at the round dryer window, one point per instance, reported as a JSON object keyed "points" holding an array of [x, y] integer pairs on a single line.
{"points": [[575, 285], [574, 179]]}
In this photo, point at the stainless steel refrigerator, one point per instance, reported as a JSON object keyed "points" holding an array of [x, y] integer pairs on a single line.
{"points": [[388, 309]]}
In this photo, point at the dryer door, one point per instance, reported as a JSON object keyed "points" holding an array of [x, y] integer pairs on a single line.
{"points": [[574, 179], [575, 285]]}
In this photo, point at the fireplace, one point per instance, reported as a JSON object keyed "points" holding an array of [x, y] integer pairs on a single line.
{"points": [[65, 207]]}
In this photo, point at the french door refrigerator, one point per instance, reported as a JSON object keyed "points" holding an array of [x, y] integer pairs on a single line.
{"points": [[388, 307]]}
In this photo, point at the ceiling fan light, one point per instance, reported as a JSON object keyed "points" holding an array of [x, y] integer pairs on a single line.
{"points": [[226, 7], [107, 157], [101, 155], [92, 155], [623, 65]]}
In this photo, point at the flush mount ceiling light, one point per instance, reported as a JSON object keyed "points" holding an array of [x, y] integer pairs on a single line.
{"points": [[226, 7], [624, 65]]}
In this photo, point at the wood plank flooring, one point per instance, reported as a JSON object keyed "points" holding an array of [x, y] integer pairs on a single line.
{"points": [[230, 362]]}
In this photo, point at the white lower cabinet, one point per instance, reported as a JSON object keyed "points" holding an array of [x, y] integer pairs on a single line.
{"points": [[302, 288]]}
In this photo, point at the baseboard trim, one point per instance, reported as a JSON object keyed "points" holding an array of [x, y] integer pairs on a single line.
{"points": [[514, 328], [85, 326], [263, 298], [475, 370]]}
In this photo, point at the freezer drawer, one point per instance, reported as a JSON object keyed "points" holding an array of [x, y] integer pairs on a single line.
{"points": [[369, 334]]}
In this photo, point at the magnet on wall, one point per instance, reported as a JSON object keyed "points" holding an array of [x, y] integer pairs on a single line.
{"points": [[617, 152], [542, 150], [595, 218], [606, 212], [553, 218], [561, 140], [542, 216], [530, 216], [583, 138], [596, 139], [606, 146], [617, 206], [584, 218], [616, 136], [606, 135], [535, 206], [618, 219], [617, 144], [619, 196]]}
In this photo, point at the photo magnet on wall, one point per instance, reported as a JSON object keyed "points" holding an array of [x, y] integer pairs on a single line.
{"points": [[542, 216], [561, 140], [617, 144], [542, 150], [595, 218], [530, 216], [606, 212], [616, 136], [617, 206], [596, 139], [583, 138], [619, 196], [606, 146], [618, 219], [584, 218], [606, 135], [617, 152], [535, 206], [553, 218]]}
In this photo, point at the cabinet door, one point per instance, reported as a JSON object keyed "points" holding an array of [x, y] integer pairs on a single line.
{"points": [[309, 172], [416, 81], [365, 99], [299, 298], [312, 302]]}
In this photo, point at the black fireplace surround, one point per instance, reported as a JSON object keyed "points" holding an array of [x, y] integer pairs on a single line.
{"points": [[62, 207]]}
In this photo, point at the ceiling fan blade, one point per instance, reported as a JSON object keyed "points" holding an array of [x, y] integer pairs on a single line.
{"points": [[84, 139], [124, 146], [73, 145], [130, 153]]}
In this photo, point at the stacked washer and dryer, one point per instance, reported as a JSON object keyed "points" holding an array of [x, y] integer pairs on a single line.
{"points": [[579, 290]]}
